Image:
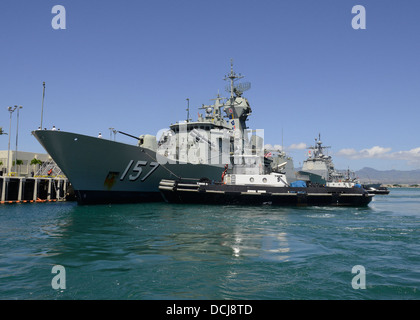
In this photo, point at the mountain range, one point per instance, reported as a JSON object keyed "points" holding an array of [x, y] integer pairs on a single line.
{"points": [[370, 175]]}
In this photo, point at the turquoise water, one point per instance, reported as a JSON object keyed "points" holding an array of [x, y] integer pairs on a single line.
{"points": [[161, 251]]}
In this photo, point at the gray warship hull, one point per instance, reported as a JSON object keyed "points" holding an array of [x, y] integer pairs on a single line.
{"points": [[105, 171]]}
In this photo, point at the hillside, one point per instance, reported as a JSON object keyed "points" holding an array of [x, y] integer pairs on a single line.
{"points": [[370, 175]]}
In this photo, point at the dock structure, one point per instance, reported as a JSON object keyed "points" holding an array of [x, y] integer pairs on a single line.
{"points": [[22, 189]]}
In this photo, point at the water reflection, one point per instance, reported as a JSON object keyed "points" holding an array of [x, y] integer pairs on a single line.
{"points": [[160, 231], [262, 245], [200, 234], [166, 246]]}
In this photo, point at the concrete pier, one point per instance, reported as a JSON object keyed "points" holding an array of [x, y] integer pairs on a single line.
{"points": [[21, 189]]}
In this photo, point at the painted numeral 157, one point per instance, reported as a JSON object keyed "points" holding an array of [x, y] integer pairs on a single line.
{"points": [[138, 169]]}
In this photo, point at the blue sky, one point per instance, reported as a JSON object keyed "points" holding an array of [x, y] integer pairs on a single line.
{"points": [[132, 64]]}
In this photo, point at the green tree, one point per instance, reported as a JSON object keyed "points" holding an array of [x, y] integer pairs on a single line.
{"points": [[34, 162]]}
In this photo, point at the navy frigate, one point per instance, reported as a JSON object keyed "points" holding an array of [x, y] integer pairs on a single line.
{"points": [[106, 171]]}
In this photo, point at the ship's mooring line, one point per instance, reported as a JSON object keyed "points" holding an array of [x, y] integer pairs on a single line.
{"points": [[162, 165]]}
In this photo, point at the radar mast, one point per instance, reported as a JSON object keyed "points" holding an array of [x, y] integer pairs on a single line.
{"points": [[232, 76]]}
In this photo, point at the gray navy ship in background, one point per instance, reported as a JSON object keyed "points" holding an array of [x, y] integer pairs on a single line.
{"points": [[319, 168], [106, 171]]}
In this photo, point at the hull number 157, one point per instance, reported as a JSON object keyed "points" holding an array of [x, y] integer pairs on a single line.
{"points": [[138, 169]]}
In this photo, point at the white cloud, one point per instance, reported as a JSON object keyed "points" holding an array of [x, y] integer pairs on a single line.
{"points": [[347, 153], [411, 156], [297, 146], [374, 152]]}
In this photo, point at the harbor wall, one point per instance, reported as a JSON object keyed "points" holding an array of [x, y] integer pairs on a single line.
{"points": [[21, 189]]}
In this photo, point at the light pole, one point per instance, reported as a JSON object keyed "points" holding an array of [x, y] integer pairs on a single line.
{"points": [[17, 134], [10, 109], [42, 109]]}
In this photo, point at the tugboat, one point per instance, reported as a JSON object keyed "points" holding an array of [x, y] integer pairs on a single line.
{"points": [[250, 183], [376, 188], [258, 189]]}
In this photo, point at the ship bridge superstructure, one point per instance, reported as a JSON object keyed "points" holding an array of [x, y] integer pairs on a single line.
{"points": [[219, 135]]}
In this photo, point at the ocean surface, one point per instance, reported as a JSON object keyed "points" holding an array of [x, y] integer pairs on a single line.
{"points": [[159, 251]]}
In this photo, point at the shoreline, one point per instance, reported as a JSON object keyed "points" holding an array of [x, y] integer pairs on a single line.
{"points": [[400, 185]]}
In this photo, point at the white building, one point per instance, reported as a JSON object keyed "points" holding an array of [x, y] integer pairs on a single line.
{"points": [[24, 169]]}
